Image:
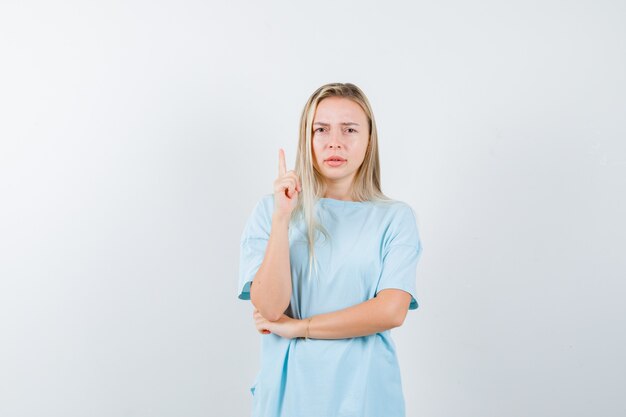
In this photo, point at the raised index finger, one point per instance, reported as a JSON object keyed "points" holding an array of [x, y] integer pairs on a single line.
{"points": [[282, 167]]}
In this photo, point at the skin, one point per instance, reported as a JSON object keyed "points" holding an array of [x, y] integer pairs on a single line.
{"points": [[340, 127], [385, 311], [270, 292], [286, 189]]}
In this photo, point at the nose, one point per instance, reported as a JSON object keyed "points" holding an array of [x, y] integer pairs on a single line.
{"points": [[334, 141]]}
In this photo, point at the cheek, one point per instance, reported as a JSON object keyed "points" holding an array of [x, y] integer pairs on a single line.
{"points": [[360, 147], [364, 150], [317, 150], [360, 154]]}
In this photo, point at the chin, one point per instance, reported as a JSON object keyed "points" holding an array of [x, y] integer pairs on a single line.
{"points": [[335, 175]]}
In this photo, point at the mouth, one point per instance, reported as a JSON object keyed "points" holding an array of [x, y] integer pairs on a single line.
{"points": [[335, 162]]}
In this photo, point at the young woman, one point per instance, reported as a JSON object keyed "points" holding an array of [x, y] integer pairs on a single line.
{"points": [[329, 264]]}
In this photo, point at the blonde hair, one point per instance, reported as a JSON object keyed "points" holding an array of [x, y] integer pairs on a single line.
{"points": [[366, 183]]}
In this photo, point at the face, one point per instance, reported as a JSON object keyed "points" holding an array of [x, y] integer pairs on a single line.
{"points": [[340, 129]]}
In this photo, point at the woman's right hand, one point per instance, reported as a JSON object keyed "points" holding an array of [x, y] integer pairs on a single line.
{"points": [[286, 188]]}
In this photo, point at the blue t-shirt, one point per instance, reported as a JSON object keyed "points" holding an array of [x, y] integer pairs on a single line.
{"points": [[372, 246]]}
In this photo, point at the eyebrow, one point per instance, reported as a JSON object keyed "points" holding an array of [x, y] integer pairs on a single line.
{"points": [[343, 124]]}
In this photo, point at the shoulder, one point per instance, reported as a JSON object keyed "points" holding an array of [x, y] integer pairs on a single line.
{"points": [[267, 201], [264, 206], [401, 227], [261, 214], [399, 218], [397, 210]]}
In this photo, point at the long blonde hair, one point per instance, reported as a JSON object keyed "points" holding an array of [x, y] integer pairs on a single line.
{"points": [[366, 184]]}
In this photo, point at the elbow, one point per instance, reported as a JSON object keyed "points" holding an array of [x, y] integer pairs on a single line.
{"points": [[396, 320], [269, 312], [274, 317], [393, 317], [396, 304], [397, 314], [273, 313]]}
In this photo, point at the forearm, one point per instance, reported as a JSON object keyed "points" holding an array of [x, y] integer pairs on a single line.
{"points": [[372, 316], [270, 291]]}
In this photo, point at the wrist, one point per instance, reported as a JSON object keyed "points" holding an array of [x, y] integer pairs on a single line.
{"points": [[280, 220], [305, 328]]}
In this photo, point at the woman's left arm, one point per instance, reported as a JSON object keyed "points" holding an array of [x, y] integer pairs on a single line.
{"points": [[385, 311]]}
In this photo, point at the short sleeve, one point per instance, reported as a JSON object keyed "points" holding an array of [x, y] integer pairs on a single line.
{"points": [[402, 252], [253, 243]]}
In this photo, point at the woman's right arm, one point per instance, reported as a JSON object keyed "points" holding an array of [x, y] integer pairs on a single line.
{"points": [[270, 291]]}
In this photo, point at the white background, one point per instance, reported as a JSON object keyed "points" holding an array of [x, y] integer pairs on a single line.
{"points": [[136, 137]]}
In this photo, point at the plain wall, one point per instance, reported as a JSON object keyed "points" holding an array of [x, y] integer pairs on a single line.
{"points": [[136, 137]]}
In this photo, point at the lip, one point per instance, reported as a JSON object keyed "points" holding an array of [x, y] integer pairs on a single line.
{"points": [[335, 157], [334, 163]]}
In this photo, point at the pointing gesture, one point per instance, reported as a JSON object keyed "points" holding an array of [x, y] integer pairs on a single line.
{"points": [[286, 188], [282, 167]]}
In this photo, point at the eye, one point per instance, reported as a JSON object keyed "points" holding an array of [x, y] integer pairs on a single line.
{"points": [[319, 129], [351, 130]]}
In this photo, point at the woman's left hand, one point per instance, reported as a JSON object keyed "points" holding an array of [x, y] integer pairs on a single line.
{"points": [[285, 326]]}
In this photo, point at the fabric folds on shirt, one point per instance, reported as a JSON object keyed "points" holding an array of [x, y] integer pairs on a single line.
{"points": [[373, 246]]}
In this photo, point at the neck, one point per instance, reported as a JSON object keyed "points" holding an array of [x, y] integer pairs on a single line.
{"points": [[338, 190]]}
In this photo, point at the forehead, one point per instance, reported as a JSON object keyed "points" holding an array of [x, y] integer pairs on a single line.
{"points": [[339, 109]]}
